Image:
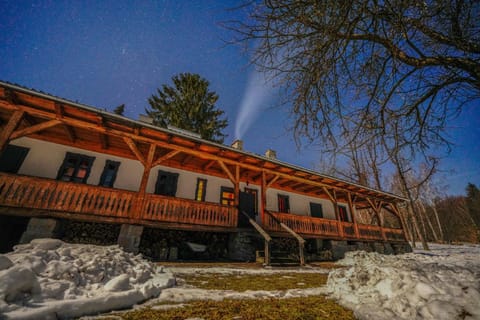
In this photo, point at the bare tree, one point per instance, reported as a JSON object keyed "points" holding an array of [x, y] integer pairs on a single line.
{"points": [[367, 61]]}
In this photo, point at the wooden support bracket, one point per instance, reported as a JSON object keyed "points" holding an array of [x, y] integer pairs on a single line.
{"points": [[33, 129], [9, 128], [133, 147]]}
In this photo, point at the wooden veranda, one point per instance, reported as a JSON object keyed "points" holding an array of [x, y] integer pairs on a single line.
{"points": [[27, 113]]}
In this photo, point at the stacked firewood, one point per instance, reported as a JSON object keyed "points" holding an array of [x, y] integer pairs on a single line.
{"points": [[89, 232], [161, 245]]}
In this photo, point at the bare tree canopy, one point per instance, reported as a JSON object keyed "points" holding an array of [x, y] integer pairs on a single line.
{"points": [[365, 66]]}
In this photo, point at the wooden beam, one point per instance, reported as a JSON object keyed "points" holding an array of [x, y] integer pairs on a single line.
{"points": [[9, 128], [330, 196], [166, 144], [272, 181], [103, 141], [227, 171], [33, 129], [209, 164], [187, 158], [165, 157], [132, 145]]}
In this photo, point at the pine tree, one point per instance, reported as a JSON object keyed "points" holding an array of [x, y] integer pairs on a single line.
{"points": [[120, 109], [473, 203], [189, 105]]}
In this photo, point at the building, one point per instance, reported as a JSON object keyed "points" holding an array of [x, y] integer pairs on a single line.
{"points": [[63, 161]]}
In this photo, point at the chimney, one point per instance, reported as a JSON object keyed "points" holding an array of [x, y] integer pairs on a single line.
{"points": [[271, 154], [144, 118], [237, 144]]}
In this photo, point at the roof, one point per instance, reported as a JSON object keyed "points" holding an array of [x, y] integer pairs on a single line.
{"points": [[190, 137]]}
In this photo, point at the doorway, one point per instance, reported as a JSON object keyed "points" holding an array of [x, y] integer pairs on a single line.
{"points": [[247, 204]]}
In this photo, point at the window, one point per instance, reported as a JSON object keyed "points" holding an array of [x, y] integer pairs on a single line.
{"points": [[342, 213], [12, 158], [316, 210], [253, 192], [76, 168], [227, 196], [283, 203], [166, 183], [201, 189], [109, 173]]}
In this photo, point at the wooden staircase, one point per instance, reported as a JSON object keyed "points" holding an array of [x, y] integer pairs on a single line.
{"points": [[278, 258]]}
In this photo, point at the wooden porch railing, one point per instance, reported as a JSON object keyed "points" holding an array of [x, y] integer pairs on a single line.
{"points": [[302, 224], [38, 193], [310, 226], [53, 195], [160, 208], [47, 194], [369, 232]]}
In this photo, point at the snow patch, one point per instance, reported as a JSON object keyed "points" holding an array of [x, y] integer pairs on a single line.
{"points": [[50, 279], [438, 284]]}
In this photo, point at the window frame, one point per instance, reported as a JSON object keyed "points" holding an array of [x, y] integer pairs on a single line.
{"points": [[78, 158], [319, 206], [174, 185], [203, 189], [344, 207], [230, 201], [101, 183], [285, 198]]}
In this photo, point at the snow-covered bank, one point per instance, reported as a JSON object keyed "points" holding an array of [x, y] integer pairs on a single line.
{"points": [[443, 283], [50, 279]]}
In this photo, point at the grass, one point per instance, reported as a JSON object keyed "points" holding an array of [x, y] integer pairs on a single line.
{"points": [[244, 282], [305, 308]]}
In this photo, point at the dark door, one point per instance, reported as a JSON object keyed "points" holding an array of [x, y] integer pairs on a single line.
{"points": [[247, 205]]}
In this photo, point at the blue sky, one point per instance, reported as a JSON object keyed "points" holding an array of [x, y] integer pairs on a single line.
{"points": [[105, 53]]}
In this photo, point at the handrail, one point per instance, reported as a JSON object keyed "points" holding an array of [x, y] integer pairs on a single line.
{"points": [[264, 234], [301, 241]]}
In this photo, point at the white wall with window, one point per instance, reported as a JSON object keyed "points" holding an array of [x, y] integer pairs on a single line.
{"points": [[45, 159]]}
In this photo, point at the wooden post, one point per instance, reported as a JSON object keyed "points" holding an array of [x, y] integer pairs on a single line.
{"points": [[7, 131], [377, 208], [263, 200], [141, 204], [236, 186], [351, 207], [400, 218], [267, 252], [301, 247]]}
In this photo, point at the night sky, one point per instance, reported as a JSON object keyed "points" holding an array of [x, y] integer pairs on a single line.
{"points": [[105, 53]]}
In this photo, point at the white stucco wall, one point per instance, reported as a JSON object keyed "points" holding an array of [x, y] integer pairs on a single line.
{"points": [[45, 158], [299, 203], [187, 183]]}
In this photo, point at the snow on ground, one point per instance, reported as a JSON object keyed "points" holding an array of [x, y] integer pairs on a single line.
{"points": [[50, 279], [443, 283]]}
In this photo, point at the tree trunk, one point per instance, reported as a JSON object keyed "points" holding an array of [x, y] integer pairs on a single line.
{"points": [[434, 233], [434, 207]]}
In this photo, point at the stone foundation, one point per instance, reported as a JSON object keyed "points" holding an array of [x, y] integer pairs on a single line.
{"points": [[40, 228], [129, 237], [241, 246]]}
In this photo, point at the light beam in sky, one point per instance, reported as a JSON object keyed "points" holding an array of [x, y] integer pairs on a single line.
{"points": [[258, 93]]}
